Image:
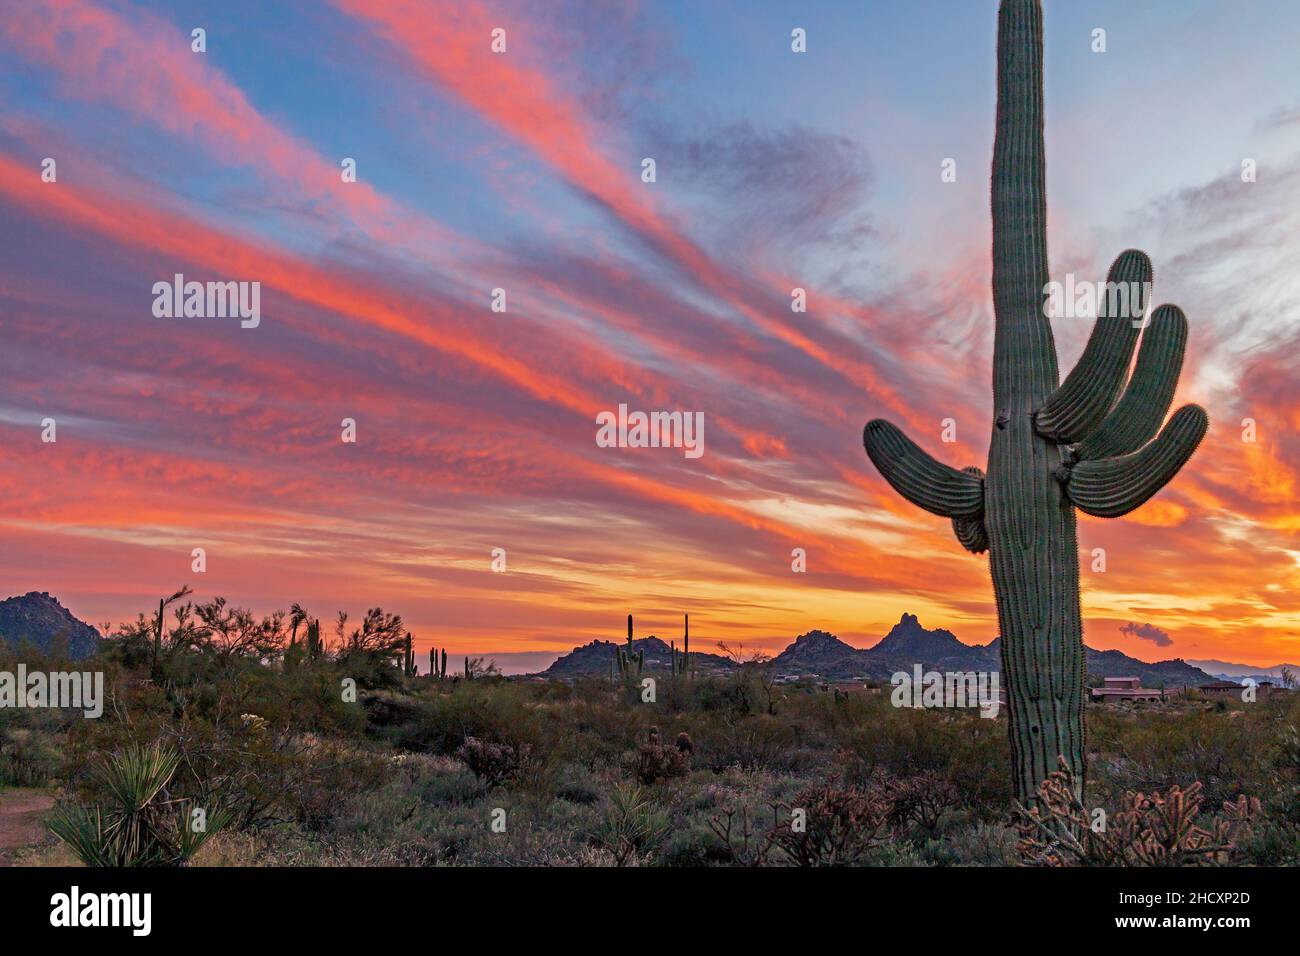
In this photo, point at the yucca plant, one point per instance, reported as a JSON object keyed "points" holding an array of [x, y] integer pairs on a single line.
{"points": [[634, 825], [140, 825]]}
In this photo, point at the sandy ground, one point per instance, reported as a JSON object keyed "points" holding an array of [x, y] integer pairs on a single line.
{"points": [[20, 820]]}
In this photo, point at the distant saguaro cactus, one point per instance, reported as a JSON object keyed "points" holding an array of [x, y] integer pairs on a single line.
{"points": [[1089, 443], [315, 649], [628, 657]]}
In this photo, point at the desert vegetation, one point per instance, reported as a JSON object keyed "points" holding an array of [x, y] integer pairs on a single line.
{"points": [[252, 722]]}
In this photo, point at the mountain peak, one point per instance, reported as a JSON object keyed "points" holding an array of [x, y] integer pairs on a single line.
{"points": [[814, 650], [37, 618], [909, 638]]}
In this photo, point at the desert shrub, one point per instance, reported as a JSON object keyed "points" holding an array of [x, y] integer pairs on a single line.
{"points": [[692, 842], [598, 731], [652, 762], [968, 751], [755, 742], [28, 758], [494, 764], [970, 843], [841, 824], [442, 781], [574, 784], [1221, 750], [921, 800], [487, 710]]}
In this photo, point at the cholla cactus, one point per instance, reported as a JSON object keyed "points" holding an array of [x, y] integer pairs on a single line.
{"points": [[1089, 443], [1162, 829]]}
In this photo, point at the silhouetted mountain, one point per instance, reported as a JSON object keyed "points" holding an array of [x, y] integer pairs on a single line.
{"points": [[1226, 670], [38, 620], [815, 652], [822, 655], [909, 639], [1171, 673], [596, 658]]}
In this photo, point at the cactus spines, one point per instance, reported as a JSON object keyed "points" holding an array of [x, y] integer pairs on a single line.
{"points": [[1055, 446]]}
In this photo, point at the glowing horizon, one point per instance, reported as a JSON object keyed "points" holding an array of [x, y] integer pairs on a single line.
{"points": [[522, 171]]}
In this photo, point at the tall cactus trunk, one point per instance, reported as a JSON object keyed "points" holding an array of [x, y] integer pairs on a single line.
{"points": [[1033, 553], [1089, 443], [155, 664]]}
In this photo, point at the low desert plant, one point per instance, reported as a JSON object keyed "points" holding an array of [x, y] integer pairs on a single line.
{"points": [[840, 825], [141, 825], [653, 762], [1156, 830], [634, 826], [492, 763]]}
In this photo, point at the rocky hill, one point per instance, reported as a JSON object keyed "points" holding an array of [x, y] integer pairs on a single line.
{"points": [[822, 655], [37, 620], [596, 658]]}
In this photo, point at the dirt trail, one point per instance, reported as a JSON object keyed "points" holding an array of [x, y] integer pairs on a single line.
{"points": [[20, 819]]}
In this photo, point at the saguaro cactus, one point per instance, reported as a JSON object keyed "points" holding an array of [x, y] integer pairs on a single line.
{"points": [[629, 656], [311, 640], [1055, 446]]}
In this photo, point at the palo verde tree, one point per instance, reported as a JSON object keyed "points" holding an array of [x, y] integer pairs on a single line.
{"points": [[1090, 442]]}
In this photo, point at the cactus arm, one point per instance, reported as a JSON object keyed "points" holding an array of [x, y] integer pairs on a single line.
{"points": [[1136, 419], [972, 534], [1112, 487], [1076, 408], [920, 479]]}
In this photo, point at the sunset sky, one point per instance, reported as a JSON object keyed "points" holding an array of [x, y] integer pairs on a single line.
{"points": [[522, 171]]}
